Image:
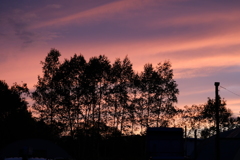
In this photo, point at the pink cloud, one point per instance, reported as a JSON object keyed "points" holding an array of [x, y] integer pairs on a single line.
{"points": [[207, 17], [166, 48]]}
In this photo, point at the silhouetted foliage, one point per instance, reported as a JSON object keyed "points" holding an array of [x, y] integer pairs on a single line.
{"points": [[202, 118], [45, 97], [14, 117], [121, 105], [16, 122], [208, 114], [155, 96], [92, 104], [82, 95]]}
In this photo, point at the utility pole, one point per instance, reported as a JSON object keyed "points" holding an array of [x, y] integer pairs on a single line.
{"points": [[217, 121]]}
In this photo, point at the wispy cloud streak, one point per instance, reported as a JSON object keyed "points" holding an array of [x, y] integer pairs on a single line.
{"points": [[93, 13]]}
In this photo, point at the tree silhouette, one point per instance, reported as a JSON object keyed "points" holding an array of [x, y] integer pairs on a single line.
{"points": [[208, 114], [191, 117], [14, 116], [158, 92], [166, 94], [71, 90], [97, 73], [202, 118], [45, 96], [147, 85], [16, 122], [122, 80], [76, 95]]}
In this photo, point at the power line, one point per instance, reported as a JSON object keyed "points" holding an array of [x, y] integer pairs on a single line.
{"points": [[230, 91]]}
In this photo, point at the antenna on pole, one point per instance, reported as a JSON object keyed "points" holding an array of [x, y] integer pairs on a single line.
{"points": [[217, 120]]}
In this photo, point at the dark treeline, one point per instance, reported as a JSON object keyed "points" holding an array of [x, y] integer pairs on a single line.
{"points": [[16, 122], [108, 99], [98, 109]]}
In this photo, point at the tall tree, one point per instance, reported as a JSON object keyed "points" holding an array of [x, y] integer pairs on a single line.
{"points": [[122, 80], [158, 95], [166, 92], [45, 96], [71, 90], [147, 86], [97, 72]]}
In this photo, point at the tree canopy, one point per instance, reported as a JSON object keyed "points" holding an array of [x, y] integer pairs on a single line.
{"points": [[80, 95], [16, 122], [202, 118]]}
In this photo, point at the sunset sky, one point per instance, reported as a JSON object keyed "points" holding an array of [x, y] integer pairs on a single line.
{"points": [[200, 38]]}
